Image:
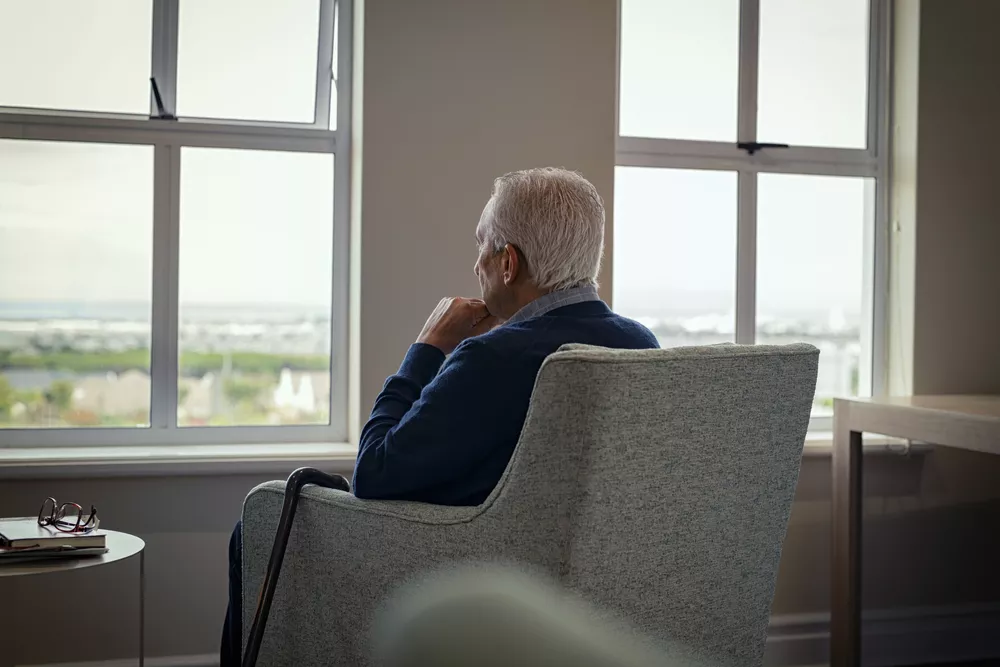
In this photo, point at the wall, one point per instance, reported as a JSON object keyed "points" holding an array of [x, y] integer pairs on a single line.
{"points": [[958, 201], [455, 94]]}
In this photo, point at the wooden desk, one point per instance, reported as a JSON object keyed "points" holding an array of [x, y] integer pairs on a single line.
{"points": [[963, 422]]}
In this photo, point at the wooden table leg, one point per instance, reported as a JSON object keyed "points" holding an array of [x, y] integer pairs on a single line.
{"points": [[845, 612]]}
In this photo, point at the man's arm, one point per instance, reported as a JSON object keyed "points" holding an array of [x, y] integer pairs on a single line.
{"points": [[429, 428], [425, 425]]}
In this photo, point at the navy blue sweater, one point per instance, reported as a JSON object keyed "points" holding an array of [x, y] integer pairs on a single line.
{"points": [[443, 431]]}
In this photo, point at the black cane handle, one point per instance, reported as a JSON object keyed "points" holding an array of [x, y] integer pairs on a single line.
{"points": [[293, 487]]}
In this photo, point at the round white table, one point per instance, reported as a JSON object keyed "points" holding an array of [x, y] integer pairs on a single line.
{"points": [[121, 546]]}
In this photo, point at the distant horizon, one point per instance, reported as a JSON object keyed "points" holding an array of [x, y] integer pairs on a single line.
{"points": [[689, 304], [134, 310], [141, 302]]}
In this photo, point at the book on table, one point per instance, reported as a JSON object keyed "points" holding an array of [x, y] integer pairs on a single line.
{"points": [[22, 537]]}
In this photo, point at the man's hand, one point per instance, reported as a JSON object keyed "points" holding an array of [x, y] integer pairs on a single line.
{"points": [[455, 319]]}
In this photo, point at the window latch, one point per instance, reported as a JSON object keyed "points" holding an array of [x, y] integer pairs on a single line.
{"points": [[162, 113], [752, 147]]}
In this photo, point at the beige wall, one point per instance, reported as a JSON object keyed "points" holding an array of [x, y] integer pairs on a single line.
{"points": [[457, 91], [957, 309]]}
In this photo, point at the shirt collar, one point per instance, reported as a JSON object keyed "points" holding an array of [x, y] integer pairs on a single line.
{"points": [[549, 302]]}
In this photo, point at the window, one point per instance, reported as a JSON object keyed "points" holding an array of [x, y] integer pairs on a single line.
{"points": [[677, 228], [75, 279], [247, 59], [86, 55], [750, 201], [173, 270], [258, 325]]}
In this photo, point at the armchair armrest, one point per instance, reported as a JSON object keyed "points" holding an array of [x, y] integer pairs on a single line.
{"points": [[397, 509]]}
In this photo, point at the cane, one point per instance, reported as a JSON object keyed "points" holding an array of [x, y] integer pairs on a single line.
{"points": [[293, 486]]}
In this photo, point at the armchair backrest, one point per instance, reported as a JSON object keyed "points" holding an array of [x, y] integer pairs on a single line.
{"points": [[667, 479]]}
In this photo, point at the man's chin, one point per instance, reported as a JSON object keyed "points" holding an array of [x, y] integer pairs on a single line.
{"points": [[487, 300]]}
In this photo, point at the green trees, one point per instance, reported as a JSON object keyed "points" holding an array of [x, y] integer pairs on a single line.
{"points": [[59, 395], [245, 389], [34, 405], [7, 398]]}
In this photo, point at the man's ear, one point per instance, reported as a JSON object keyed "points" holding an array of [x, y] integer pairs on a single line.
{"points": [[511, 264]]}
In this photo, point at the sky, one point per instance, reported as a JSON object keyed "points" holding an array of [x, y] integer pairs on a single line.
{"points": [[76, 219]]}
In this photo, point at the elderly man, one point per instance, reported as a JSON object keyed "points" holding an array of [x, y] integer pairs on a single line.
{"points": [[442, 431], [444, 427]]}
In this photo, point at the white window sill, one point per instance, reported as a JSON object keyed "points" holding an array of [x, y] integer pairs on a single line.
{"points": [[280, 459]]}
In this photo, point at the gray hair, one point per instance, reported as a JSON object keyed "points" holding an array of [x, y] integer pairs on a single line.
{"points": [[555, 217]]}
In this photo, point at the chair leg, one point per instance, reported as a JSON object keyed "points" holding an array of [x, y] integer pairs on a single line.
{"points": [[293, 487]]}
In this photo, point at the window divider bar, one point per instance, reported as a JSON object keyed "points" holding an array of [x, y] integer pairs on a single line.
{"points": [[746, 257], [680, 148], [124, 123], [757, 164], [880, 127], [817, 159], [163, 329], [618, 70], [877, 93], [166, 16], [345, 73], [173, 304], [324, 63], [748, 68], [866, 359], [325, 142], [340, 329]]}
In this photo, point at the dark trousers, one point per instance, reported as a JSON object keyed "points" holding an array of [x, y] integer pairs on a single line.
{"points": [[232, 630]]}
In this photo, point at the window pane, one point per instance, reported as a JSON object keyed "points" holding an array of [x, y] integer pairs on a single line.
{"points": [[256, 263], [679, 69], [813, 72], [675, 252], [85, 55], [76, 225], [248, 59], [810, 273]]}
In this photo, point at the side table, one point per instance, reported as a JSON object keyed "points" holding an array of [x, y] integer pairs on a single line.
{"points": [[121, 546]]}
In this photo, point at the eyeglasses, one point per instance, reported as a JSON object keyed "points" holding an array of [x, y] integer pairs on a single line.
{"points": [[68, 517]]}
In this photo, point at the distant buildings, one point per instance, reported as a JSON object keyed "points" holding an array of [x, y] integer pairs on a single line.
{"points": [[230, 395], [294, 397], [112, 394], [119, 399]]}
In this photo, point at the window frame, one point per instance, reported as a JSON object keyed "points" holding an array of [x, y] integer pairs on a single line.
{"points": [[870, 162], [168, 137]]}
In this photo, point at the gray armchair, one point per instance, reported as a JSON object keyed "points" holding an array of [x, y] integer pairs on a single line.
{"points": [[654, 484]]}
